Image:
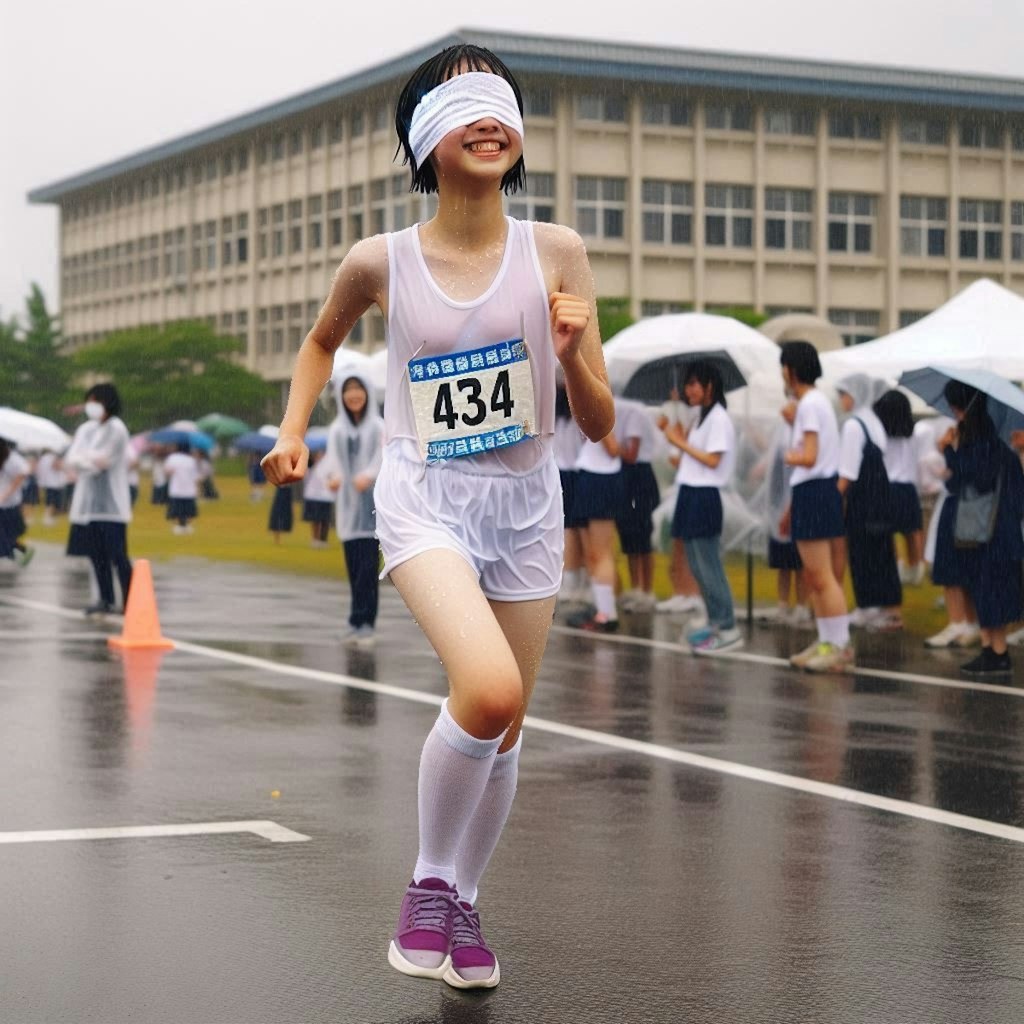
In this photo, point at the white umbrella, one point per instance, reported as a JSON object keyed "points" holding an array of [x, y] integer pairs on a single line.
{"points": [[30, 432]]}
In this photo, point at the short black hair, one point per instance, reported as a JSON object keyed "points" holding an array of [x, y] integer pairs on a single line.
{"points": [[707, 374], [428, 76], [802, 358], [107, 396], [893, 409]]}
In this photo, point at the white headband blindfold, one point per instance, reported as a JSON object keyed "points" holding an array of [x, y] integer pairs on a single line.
{"points": [[462, 100]]}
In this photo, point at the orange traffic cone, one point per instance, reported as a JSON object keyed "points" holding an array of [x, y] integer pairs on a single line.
{"points": [[141, 622]]}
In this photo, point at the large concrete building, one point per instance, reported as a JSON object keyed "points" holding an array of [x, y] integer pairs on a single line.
{"points": [[865, 195]]}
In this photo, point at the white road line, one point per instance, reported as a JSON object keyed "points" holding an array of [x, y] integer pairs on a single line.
{"points": [[714, 764], [767, 659], [264, 829], [670, 754]]}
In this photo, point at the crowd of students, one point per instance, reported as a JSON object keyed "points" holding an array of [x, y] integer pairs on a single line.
{"points": [[837, 497]]}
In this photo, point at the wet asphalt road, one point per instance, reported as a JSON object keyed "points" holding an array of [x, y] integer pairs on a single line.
{"points": [[627, 887]]}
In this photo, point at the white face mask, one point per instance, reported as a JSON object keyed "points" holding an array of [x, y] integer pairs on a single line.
{"points": [[94, 410]]}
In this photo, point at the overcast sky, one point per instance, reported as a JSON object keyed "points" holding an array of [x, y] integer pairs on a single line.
{"points": [[85, 83]]}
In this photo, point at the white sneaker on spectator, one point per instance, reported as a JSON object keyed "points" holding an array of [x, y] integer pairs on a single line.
{"points": [[945, 637], [969, 636], [800, 617], [1016, 638], [675, 603], [861, 618]]}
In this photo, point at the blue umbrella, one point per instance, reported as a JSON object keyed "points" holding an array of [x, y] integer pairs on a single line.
{"points": [[194, 438], [254, 442], [1005, 401]]}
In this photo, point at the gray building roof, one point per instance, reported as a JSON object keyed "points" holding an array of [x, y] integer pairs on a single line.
{"points": [[581, 58]]}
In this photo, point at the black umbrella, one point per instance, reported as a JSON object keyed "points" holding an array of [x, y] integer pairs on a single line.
{"points": [[652, 382]]}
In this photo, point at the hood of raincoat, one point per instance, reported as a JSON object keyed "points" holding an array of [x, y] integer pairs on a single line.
{"points": [[864, 390]]}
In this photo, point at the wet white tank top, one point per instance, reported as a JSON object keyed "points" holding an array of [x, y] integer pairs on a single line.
{"points": [[423, 321]]}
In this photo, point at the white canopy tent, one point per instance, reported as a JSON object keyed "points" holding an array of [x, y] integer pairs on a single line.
{"points": [[756, 356], [981, 327]]}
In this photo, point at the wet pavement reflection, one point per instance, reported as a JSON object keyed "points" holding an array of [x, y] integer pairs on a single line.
{"points": [[626, 888]]}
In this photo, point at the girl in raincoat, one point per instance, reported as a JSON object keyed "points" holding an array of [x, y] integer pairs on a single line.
{"points": [[355, 448]]}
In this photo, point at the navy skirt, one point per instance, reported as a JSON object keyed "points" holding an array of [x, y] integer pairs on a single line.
{"points": [[30, 491], [55, 498], [950, 566], [906, 508], [78, 541], [12, 526], [317, 511], [642, 497], [569, 478], [783, 555], [817, 510], [994, 584], [598, 496], [182, 508], [281, 511], [698, 513]]}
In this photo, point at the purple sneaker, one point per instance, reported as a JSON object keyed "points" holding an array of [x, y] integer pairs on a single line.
{"points": [[422, 943], [473, 965]]}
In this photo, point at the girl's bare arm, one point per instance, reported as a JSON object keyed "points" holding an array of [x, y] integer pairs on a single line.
{"points": [[358, 283]]}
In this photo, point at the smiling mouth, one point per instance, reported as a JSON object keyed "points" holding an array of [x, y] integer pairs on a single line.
{"points": [[485, 147]]}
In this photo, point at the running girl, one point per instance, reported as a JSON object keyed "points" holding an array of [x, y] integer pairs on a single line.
{"points": [[480, 308]]}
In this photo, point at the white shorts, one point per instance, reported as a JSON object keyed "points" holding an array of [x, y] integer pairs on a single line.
{"points": [[508, 528]]}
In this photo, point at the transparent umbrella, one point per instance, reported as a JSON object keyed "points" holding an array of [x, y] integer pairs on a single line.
{"points": [[30, 432]]}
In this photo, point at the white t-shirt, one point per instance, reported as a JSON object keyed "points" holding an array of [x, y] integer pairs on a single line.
{"points": [[632, 420], [14, 467], [182, 475], [594, 458], [315, 487], [47, 473], [567, 441], [815, 415], [716, 435], [901, 460], [851, 444]]}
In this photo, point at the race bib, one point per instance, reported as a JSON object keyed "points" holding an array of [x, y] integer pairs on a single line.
{"points": [[467, 403]]}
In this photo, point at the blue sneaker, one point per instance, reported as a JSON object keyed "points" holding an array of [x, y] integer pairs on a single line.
{"points": [[699, 636]]}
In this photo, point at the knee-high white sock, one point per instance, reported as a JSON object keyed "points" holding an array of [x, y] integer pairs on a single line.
{"points": [[484, 830], [454, 769], [604, 599]]}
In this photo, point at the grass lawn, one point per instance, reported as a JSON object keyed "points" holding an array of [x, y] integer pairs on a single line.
{"points": [[234, 529]]}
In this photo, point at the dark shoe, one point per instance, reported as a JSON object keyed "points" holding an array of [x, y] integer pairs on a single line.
{"points": [[593, 625], [988, 665], [577, 619], [98, 610]]}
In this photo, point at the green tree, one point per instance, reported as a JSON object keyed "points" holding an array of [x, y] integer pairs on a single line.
{"points": [[745, 314], [181, 371], [613, 316], [33, 372]]}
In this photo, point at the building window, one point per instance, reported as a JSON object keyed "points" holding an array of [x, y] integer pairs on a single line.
{"points": [[651, 307], [735, 117], [243, 159], [788, 215], [1017, 231], [1017, 137], [277, 146], [911, 316], [538, 103], [227, 241], [316, 135], [856, 325], [601, 207], [598, 107], [667, 212], [924, 131], [380, 117], [538, 202], [978, 134], [277, 235], [334, 204], [211, 244], [242, 238], [924, 221], [312, 311], [851, 222], [668, 112], [358, 123], [295, 142], [729, 219], [336, 129], [842, 125], [315, 227], [981, 229], [786, 121]]}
